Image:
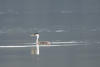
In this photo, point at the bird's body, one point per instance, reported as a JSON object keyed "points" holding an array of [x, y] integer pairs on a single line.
{"points": [[44, 43]]}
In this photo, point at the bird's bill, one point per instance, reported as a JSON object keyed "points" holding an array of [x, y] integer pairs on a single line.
{"points": [[32, 35]]}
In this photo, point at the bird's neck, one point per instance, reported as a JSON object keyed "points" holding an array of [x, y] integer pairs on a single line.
{"points": [[37, 39]]}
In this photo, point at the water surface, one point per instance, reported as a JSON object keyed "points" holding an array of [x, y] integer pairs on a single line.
{"points": [[72, 56]]}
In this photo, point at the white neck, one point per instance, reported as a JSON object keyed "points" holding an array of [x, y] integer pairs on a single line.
{"points": [[37, 35], [37, 44]]}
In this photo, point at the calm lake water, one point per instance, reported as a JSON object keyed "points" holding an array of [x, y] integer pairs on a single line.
{"points": [[72, 56]]}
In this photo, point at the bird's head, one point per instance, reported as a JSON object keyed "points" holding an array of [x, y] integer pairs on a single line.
{"points": [[35, 34]]}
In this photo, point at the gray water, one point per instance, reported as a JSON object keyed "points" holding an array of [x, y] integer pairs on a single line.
{"points": [[55, 20], [72, 56]]}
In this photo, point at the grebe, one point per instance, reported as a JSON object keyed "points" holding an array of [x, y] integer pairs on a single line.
{"points": [[39, 43]]}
